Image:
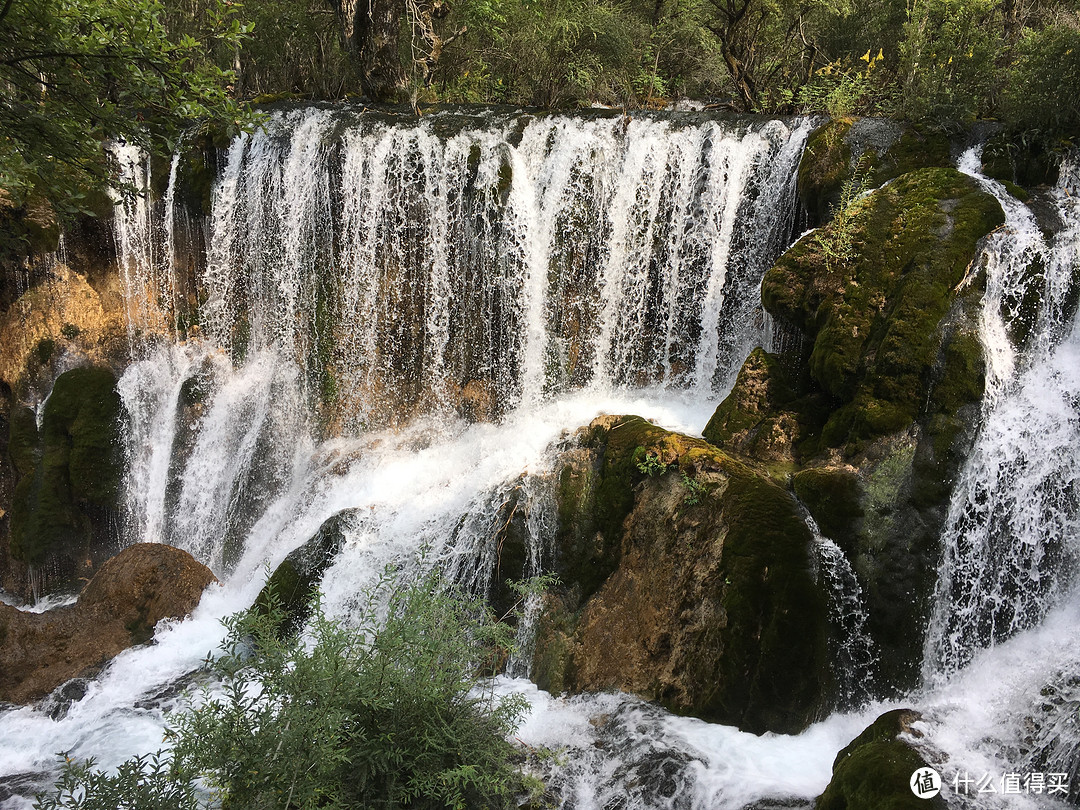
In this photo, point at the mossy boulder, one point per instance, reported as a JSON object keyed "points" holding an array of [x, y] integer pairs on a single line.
{"points": [[914, 149], [871, 322], [755, 419], [65, 505], [874, 771], [291, 584], [878, 388], [686, 578], [847, 150]]}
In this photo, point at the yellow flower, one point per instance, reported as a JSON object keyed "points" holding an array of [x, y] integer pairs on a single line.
{"points": [[866, 56]]}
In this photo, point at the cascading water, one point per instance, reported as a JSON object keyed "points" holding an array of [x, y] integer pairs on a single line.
{"points": [[535, 269], [538, 269], [1002, 658], [501, 258], [1012, 538], [852, 651]]}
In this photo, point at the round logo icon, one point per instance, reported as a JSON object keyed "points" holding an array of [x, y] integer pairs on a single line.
{"points": [[926, 783]]}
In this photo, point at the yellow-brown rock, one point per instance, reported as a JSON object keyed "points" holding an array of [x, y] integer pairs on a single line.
{"points": [[119, 608]]}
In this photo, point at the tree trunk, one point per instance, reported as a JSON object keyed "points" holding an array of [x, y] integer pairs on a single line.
{"points": [[370, 30]]}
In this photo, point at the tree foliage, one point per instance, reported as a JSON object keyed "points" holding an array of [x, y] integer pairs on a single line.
{"points": [[392, 712], [75, 72]]}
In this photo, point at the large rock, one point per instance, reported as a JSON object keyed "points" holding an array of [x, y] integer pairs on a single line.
{"points": [[871, 322], [870, 409], [65, 504], [120, 607], [686, 577], [874, 771]]}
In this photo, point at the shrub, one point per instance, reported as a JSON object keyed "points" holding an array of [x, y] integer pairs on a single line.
{"points": [[388, 714], [1043, 96]]}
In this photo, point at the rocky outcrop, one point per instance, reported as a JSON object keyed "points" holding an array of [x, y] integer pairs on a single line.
{"points": [[870, 408], [120, 607], [290, 586], [60, 323], [875, 769], [65, 504], [686, 577]]}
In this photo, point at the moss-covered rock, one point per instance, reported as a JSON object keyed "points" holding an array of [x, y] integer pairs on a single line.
{"points": [[847, 150], [755, 419], [66, 500], [880, 389], [824, 168], [296, 577], [691, 585], [834, 498], [1009, 159], [871, 322], [874, 771], [913, 150]]}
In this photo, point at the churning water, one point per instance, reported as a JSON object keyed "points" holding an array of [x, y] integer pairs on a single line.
{"points": [[369, 286]]}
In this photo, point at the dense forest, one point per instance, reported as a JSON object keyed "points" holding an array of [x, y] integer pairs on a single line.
{"points": [[76, 71]]}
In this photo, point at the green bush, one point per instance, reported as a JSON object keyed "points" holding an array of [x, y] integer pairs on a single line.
{"points": [[389, 714], [947, 69], [1043, 96]]}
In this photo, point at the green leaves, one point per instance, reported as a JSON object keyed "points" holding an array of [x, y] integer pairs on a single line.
{"points": [[393, 710], [76, 72]]}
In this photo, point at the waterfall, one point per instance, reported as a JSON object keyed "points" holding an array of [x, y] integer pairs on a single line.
{"points": [[424, 267], [852, 651], [399, 322], [1012, 536], [144, 246], [362, 271]]}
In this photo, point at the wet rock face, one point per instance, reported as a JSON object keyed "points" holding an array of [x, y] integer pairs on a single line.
{"points": [[291, 584], [874, 771], [871, 318], [65, 502], [119, 608], [686, 578]]}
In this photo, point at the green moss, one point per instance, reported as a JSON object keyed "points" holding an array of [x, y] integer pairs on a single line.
{"points": [[552, 668], [506, 178], [44, 350], [914, 150], [834, 499], [70, 331], [760, 390], [825, 166], [23, 440], [874, 771], [873, 320], [68, 500], [593, 502], [83, 413], [774, 669]]}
